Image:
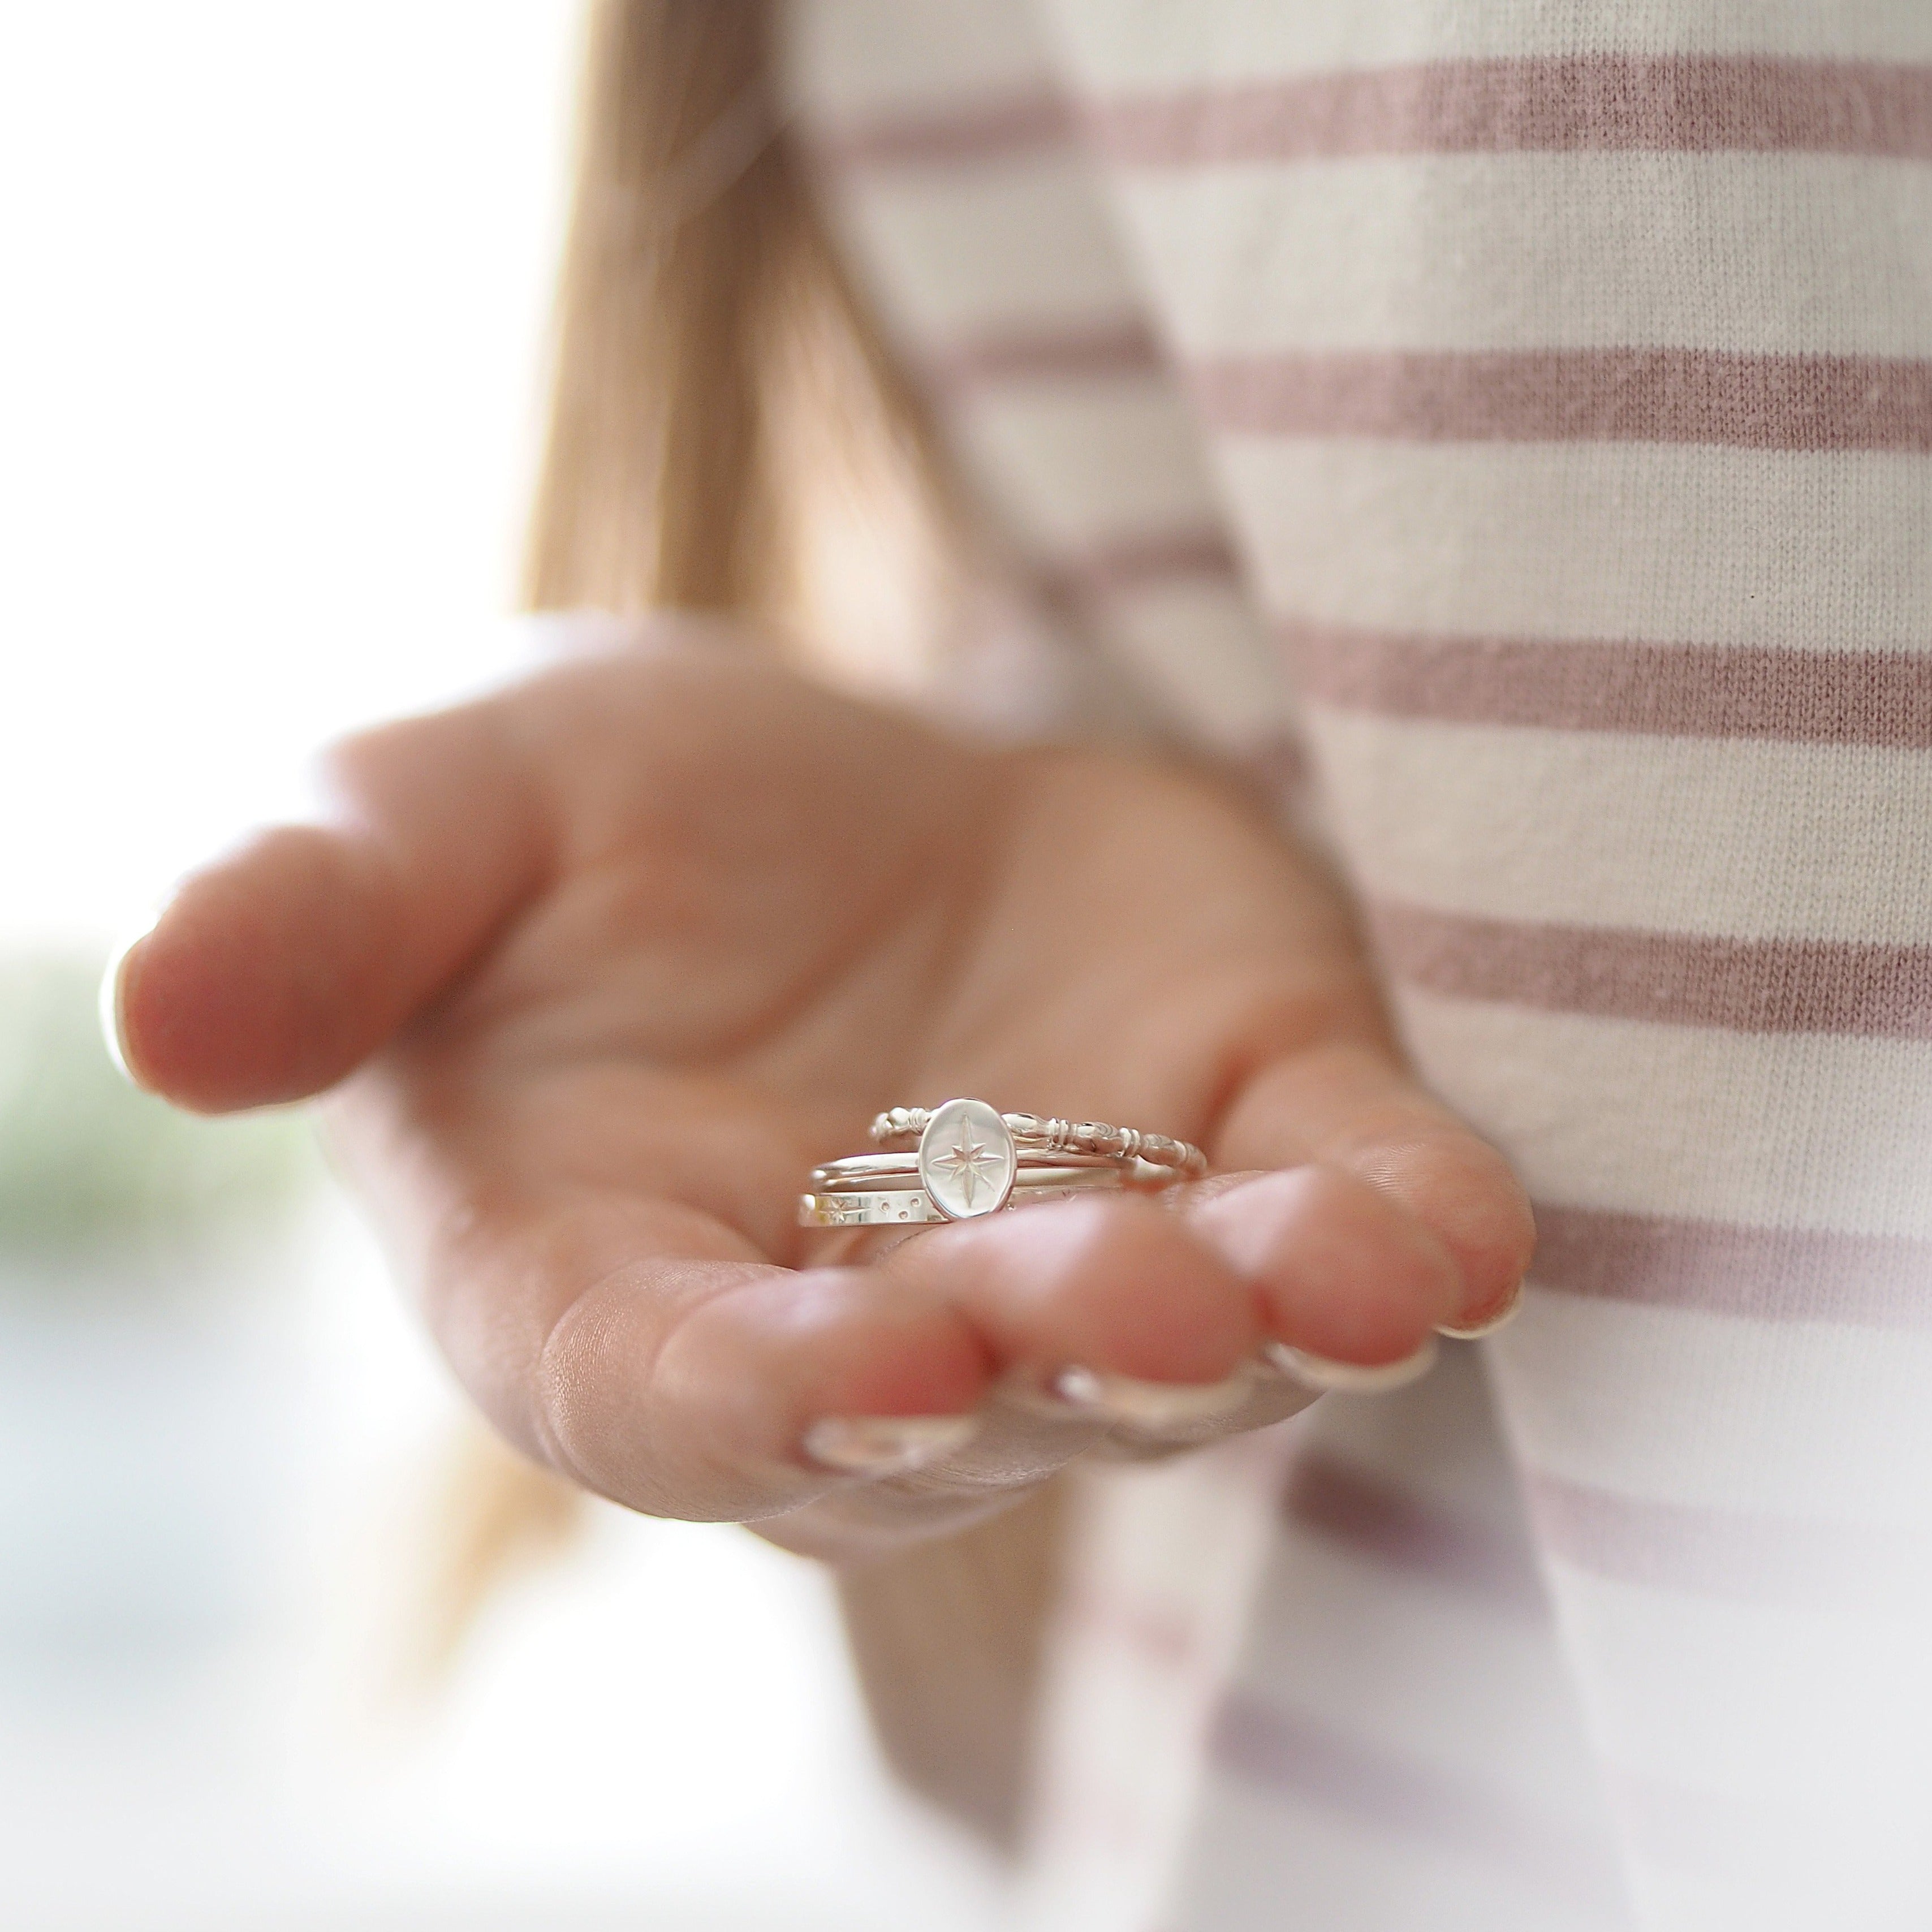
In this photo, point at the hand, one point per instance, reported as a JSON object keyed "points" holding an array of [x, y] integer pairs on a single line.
{"points": [[599, 966]]}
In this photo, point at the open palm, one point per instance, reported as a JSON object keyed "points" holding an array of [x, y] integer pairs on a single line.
{"points": [[604, 963]]}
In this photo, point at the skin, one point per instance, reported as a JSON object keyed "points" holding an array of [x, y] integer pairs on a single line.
{"points": [[592, 971]]}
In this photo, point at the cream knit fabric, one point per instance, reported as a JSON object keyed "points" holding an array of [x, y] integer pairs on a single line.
{"points": [[1525, 409]]}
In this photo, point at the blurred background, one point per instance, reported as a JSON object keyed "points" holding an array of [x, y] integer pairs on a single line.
{"points": [[270, 368]]}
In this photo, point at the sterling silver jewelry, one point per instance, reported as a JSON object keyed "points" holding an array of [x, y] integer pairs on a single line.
{"points": [[960, 1160], [905, 1126], [862, 1171], [877, 1208]]}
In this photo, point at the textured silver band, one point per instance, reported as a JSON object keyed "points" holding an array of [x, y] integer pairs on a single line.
{"points": [[901, 1127], [913, 1206], [962, 1159]]}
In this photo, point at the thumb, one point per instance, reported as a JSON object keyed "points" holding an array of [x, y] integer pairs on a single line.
{"points": [[274, 971]]}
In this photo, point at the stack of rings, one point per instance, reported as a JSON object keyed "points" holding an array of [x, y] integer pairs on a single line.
{"points": [[959, 1161]]}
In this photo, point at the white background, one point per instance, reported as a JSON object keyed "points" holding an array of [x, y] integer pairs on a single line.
{"points": [[276, 284]]}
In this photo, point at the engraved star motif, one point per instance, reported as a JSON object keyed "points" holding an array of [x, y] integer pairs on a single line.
{"points": [[967, 1161]]}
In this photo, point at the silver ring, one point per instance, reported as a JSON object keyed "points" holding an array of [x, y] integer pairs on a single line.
{"points": [[964, 1159], [906, 1127], [887, 1171], [913, 1206]]}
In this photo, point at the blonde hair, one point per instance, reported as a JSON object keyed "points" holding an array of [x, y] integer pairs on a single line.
{"points": [[723, 418]]}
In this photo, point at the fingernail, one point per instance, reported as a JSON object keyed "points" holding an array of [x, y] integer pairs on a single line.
{"points": [[887, 1445], [1350, 1378], [1488, 1326], [113, 1015], [1146, 1404]]}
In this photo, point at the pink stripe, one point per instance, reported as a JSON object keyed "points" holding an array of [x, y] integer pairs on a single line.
{"points": [[1759, 1274], [1692, 103], [1351, 1507], [1130, 563], [986, 130], [1575, 395], [1831, 697], [1702, 1551], [1298, 1755], [1675, 978], [1127, 348]]}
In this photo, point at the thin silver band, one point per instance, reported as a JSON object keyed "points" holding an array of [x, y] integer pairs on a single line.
{"points": [[913, 1206], [1062, 1180], [902, 1170]]}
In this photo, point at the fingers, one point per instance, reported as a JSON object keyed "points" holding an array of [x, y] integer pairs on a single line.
{"points": [[1350, 1109], [654, 1354], [707, 1410], [651, 1353], [1119, 1287], [659, 1360], [1345, 1273], [274, 972], [687, 1378]]}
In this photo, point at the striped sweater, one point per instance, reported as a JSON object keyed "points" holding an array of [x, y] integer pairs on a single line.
{"points": [[1517, 416]]}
